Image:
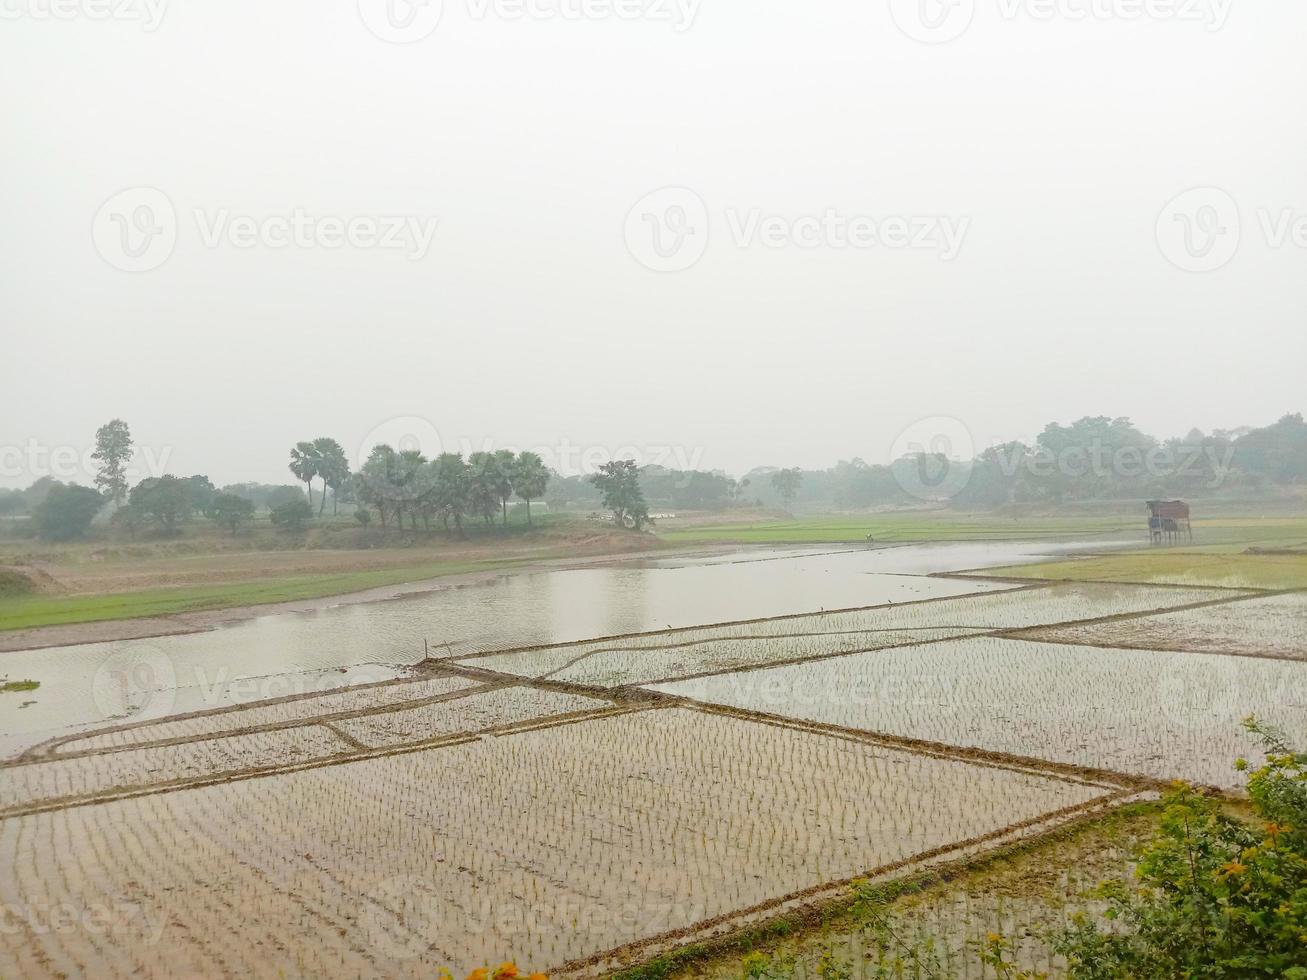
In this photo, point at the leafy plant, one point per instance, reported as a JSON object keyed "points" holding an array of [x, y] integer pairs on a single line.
{"points": [[1218, 897]]}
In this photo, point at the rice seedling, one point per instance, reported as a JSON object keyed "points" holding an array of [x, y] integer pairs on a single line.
{"points": [[1160, 715], [303, 709], [34, 782], [548, 846], [492, 709], [1269, 626], [650, 657]]}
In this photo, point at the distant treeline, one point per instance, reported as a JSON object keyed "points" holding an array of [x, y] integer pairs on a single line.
{"points": [[1095, 458]]}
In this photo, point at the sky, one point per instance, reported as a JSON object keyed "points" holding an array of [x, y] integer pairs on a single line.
{"points": [[710, 233]]}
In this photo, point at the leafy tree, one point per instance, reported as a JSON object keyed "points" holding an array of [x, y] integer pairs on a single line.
{"points": [[413, 486], [450, 481], [292, 515], [165, 499], [483, 482], [363, 516], [34, 495], [200, 490], [1219, 897], [619, 483], [230, 511], [530, 479], [332, 468], [113, 450], [1277, 451], [375, 480], [786, 483], [686, 489], [305, 461], [67, 512], [11, 502]]}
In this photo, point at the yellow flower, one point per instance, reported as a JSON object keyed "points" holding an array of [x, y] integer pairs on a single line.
{"points": [[538, 976], [506, 971], [478, 974], [1232, 870]]}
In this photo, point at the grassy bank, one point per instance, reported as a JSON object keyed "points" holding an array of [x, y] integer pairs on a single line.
{"points": [[53, 610], [1233, 553], [903, 527]]}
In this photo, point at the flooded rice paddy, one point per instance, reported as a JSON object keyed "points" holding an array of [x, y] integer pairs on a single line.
{"points": [[597, 763], [283, 654]]}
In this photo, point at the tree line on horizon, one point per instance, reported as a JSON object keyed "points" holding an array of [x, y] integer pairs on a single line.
{"points": [[398, 484]]}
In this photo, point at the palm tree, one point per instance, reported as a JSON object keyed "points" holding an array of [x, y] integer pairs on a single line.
{"points": [[305, 462], [504, 485], [530, 478], [333, 469]]}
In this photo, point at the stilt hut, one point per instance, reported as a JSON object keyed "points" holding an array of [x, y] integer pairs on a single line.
{"points": [[1168, 521]]}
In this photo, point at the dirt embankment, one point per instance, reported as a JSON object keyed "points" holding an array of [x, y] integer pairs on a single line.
{"points": [[108, 569]]}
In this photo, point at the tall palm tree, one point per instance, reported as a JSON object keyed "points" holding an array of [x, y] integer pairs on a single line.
{"points": [[530, 478], [333, 469], [305, 461]]}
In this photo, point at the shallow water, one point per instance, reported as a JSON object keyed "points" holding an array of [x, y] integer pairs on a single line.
{"points": [[92, 685]]}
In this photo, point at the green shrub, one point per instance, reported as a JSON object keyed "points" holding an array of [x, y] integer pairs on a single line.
{"points": [[1218, 896]]}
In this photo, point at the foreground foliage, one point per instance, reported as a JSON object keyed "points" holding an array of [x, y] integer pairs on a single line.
{"points": [[1218, 897]]}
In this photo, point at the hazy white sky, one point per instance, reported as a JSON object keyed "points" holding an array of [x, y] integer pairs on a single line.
{"points": [[1037, 273]]}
